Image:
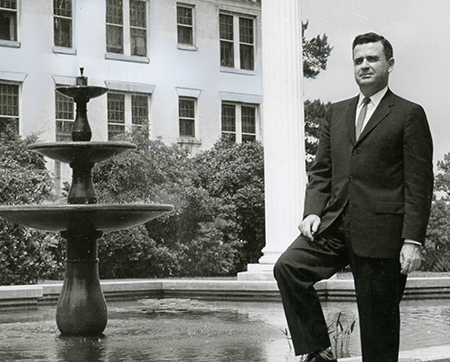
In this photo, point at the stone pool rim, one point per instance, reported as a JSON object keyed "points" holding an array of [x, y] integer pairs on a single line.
{"points": [[230, 289]]}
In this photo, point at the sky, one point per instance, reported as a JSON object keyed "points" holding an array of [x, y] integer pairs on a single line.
{"points": [[419, 32]]}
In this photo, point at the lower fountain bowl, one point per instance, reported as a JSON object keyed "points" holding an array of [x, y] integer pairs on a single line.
{"points": [[102, 217]]}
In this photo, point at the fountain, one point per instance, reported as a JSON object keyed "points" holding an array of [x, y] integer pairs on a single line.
{"points": [[81, 308]]}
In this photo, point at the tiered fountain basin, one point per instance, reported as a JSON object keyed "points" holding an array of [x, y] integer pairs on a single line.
{"points": [[81, 309]]}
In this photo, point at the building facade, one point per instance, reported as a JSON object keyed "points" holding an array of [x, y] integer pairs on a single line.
{"points": [[190, 70]]}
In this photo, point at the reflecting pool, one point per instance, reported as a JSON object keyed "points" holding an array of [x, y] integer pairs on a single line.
{"points": [[189, 330]]}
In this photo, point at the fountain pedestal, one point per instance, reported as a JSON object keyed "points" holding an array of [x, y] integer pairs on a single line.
{"points": [[81, 309]]}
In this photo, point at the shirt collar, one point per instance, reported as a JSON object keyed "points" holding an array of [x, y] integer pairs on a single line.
{"points": [[374, 99]]}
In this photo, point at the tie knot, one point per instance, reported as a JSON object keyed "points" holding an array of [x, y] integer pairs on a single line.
{"points": [[366, 101]]}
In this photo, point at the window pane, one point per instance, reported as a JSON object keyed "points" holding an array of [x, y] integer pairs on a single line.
{"points": [[64, 131], [114, 39], [226, 54], [63, 32], [186, 108], [9, 4], [138, 14], [248, 138], [114, 12], [246, 30], [247, 60], [139, 110], [62, 8], [8, 25], [187, 127], [116, 108], [115, 130], [228, 118], [226, 26], [64, 107], [185, 35], [138, 42], [248, 119], [184, 15], [9, 122]]}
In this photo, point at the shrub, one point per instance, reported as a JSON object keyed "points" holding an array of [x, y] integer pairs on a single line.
{"points": [[26, 255], [194, 240]]}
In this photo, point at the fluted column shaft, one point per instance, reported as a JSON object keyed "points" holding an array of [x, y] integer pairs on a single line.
{"points": [[283, 124]]}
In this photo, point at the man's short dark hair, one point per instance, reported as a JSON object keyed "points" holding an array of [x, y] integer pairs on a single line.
{"points": [[374, 38]]}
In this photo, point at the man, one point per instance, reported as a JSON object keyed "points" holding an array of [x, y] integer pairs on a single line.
{"points": [[367, 204]]}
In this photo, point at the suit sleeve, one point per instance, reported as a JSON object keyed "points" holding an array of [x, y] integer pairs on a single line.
{"points": [[319, 175], [418, 175]]}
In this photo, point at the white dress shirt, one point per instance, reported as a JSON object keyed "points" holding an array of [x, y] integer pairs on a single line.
{"points": [[371, 106]]}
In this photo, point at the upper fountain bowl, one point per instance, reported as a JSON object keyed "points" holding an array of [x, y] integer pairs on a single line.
{"points": [[82, 92], [90, 152]]}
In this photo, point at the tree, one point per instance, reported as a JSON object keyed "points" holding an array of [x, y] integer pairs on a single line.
{"points": [[314, 114], [315, 56], [315, 53]]}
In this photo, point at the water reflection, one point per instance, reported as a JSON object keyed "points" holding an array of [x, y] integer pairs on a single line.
{"points": [[183, 330]]}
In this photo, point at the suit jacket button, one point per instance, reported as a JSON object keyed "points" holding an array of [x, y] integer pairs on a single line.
{"points": [[351, 179]]}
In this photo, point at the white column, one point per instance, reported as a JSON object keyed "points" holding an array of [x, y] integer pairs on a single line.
{"points": [[283, 126]]}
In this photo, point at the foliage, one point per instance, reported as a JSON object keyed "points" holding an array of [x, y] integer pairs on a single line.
{"points": [[315, 53], [25, 255], [437, 246], [314, 114], [217, 225], [234, 175]]}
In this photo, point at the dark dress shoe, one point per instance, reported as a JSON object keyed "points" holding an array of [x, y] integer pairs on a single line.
{"points": [[315, 357]]}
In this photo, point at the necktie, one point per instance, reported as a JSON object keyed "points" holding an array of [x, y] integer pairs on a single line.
{"points": [[361, 117]]}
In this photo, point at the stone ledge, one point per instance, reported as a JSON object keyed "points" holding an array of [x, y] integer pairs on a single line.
{"points": [[334, 289], [430, 354]]}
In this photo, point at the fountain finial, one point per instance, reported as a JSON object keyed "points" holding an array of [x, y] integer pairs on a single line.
{"points": [[82, 80]]}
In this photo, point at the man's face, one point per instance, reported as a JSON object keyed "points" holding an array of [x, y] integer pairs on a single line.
{"points": [[371, 67]]}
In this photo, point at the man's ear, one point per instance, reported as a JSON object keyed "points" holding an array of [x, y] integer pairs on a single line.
{"points": [[391, 63]]}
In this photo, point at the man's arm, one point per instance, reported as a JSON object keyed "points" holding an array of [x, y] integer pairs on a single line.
{"points": [[418, 174]]}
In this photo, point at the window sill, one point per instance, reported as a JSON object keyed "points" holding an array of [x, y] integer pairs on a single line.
{"points": [[237, 71], [189, 141], [191, 48], [127, 58], [64, 50], [10, 44]]}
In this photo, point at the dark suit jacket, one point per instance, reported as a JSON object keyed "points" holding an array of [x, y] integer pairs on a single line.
{"points": [[386, 177]]}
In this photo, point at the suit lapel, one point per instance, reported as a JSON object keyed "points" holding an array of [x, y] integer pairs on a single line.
{"points": [[351, 114], [383, 109]]}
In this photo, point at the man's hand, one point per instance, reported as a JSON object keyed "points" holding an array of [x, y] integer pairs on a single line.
{"points": [[410, 257], [309, 226]]}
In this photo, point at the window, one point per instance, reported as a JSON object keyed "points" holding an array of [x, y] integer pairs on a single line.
{"points": [[186, 115], [62, 23], [9, 106], [65, 116], [185, 24], [126, 27], [237, 42], [8, 20], [239, 122], [126, 112]]}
